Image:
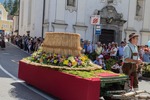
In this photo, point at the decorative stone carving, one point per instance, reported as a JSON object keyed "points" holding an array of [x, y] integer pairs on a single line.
{"points": [[109, 15], [71, 5]]}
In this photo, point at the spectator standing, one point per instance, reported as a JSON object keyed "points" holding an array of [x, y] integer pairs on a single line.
{"points": [[89, 48], [146, 55], [99, 48], [120, 50], [113, 51], [85, 46], [83, 49]]}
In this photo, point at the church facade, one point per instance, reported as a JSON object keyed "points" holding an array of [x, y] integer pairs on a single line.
{"points": [[118, 18]]}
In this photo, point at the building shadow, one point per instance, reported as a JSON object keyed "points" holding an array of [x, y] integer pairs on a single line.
{"points": [[23, 93]]}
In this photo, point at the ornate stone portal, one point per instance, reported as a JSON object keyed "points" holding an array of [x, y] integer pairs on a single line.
{"points": [[111, 20]]}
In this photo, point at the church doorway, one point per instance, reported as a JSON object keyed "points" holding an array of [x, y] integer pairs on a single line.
{"points": [[107, 36]]}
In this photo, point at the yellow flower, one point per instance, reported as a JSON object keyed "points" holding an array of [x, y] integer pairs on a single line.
{"points": [[66, 62], [74, 63], [55, 55], [63, 57], [86, 57], [55, 61], [83, 58]]}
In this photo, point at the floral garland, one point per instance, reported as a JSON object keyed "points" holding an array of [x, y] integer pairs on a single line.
{"points": [[59, 60]]}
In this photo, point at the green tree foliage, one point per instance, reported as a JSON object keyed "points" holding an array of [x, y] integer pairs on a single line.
{"points": [[5, 5], [15, 7], [11, 6]]}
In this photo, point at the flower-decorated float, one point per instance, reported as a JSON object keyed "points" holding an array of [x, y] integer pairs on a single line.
{"points": [[59, 68]]}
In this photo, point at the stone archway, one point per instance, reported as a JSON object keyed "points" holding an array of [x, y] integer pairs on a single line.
{"points": [[111, 20]]}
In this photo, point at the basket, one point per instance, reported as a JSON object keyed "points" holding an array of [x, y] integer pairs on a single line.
{"points": [[62, 43]]}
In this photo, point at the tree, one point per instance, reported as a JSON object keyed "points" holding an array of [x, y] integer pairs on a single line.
{"points": [[15, 7], [10, 5], [5, 5]]}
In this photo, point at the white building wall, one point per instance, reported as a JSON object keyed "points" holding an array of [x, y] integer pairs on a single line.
{"points": [[46, 17], [71, 20], [131, 15], [38, 18], [33, 18], [15, 23], [79, 20], [145, 32], [25, 19], [52, 14], [146, 23], [21, 17]]}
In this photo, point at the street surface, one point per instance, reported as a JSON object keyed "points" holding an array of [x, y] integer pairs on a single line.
{"points": [[11, 88]]}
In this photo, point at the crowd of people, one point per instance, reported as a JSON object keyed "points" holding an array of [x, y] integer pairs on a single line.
{"points": [[27, 43], [99, 53]]}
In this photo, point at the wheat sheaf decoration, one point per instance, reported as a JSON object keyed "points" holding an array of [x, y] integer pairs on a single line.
{"points": [[62, 43]]}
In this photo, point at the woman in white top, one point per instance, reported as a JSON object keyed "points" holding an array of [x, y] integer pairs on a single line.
{"points": [[113, 51], [99, 48]]}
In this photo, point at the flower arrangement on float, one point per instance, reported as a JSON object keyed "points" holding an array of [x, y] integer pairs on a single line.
{"points": [[59, 60]]}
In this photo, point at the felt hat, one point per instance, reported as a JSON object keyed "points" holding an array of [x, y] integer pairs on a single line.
{"points": [[132, 35]]}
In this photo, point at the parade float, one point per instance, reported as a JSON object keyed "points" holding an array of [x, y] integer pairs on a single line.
{"points": [[59, 69]]}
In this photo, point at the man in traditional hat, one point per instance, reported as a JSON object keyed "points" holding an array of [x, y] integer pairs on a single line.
{"points": [[131, 59]]}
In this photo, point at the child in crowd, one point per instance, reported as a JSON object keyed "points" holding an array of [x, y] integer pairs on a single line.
{"points": [[96, 61], [101, 61], [117, 68]]}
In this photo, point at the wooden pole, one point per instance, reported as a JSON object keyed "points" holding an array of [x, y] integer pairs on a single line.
{"points": [[132, 95]]}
